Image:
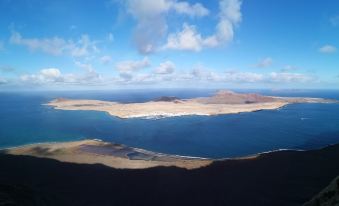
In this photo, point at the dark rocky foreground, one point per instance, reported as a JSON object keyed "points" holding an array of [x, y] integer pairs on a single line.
{"points": [[279, 178], [327, 197]]}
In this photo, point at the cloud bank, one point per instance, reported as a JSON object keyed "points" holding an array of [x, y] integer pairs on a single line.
{"points": [[164, 73], [328, 49], [190, 39], [55, 45], [152, 25]]}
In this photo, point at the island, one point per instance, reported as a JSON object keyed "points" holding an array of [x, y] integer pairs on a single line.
{"points": [[223, 102]]}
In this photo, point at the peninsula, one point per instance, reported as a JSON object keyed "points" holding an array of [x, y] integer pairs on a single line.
{"points": [[223, 102], [108, 154]]}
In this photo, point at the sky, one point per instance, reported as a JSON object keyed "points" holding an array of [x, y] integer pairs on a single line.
{"points": [[116, 44]]}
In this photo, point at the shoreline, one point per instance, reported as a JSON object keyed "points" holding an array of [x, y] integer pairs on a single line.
{"points": [[286, 178], [158, 159], [159, 153], [95, 151]]}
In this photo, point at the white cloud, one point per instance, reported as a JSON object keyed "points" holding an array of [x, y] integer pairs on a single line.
{"points": [[106, 59], [245, 77], [194, 77], [151, 22], [48, 75], [86, 67], [187, 39], [151, 19], [90, 77], [151, 8], [230, 16], [328, 49], [166, 67], [132, 66], [152, 25], [84, 47], [285, 77], [126, 75], [55, 45], [196, 10], [204, 74], [146, 79], [147, 8], [201, 73], [52, 76], [238, 77], [289, 68], [3, 81], [190, 39], [266, 62]]}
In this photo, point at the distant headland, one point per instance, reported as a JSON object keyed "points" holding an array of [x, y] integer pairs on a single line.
{"points": [[110, 154]]}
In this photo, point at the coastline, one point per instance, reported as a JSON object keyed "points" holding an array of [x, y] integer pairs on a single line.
{"points": [[70, 153], [285, 177], [95, 151]]}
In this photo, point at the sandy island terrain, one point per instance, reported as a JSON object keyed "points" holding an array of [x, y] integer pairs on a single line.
{"points": [[223, 102], [112, 155]]}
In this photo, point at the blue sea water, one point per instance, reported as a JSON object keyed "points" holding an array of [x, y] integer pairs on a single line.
{"points": [[24, 120]]}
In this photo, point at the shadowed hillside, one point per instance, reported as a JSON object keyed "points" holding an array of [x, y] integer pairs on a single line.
{"points": [[280, 178], [327, 197]]}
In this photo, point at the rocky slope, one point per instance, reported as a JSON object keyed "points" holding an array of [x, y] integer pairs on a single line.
{"points": [[327, 197]]}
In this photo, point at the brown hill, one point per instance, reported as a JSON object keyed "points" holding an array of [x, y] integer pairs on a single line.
{"points": [[230, 97]]}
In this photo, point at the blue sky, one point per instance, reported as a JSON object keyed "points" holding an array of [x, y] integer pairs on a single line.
{"points": [[109, 44]]}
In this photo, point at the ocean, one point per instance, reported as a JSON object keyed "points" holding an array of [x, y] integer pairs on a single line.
{"points": [[24, 119]]}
